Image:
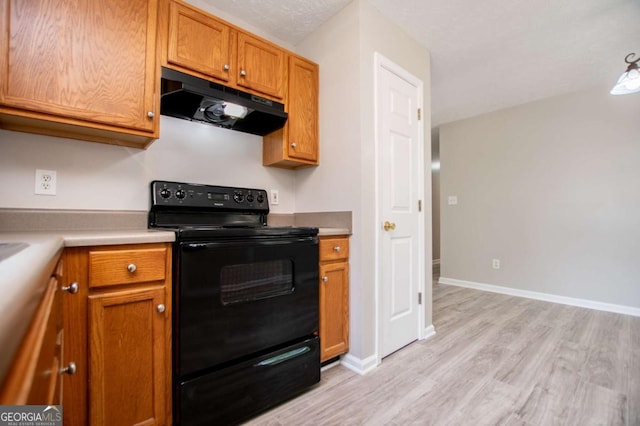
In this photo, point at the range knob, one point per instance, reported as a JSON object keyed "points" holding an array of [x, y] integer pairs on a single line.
{"points": [[260, 198], [250, 198], [165, 193], [238, 197], [180, 194]]}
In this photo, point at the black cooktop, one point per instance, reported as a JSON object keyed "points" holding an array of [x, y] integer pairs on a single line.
{"points": [[196, 211]]}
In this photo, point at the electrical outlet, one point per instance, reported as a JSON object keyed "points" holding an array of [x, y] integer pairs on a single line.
{"points": [[452, 200], [275, 197], [45, 182], [495, 263]]}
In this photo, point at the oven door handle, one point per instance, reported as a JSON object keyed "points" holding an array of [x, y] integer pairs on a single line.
{"points": [[226, 243], [283, 357]]}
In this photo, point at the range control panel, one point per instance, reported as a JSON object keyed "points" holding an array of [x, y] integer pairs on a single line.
{"points": [[185, 195]]}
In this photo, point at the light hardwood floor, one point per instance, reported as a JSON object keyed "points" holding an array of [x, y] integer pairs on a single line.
{"points": [[495, 360]]}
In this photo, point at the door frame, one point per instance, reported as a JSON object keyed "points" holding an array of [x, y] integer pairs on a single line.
{"points": [[380, 61]]}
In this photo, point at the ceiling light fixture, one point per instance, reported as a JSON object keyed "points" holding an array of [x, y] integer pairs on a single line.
{"points": [[629, 81]]}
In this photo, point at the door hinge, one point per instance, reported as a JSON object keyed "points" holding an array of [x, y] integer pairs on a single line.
{"points": [[419, 298], [419, 205], [419, 113]]}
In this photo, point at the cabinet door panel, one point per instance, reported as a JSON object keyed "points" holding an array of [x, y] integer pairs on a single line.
{"points": [[303, 109], [127, 357], [334, 310], [199, 42], [263, 65], [89, 60]]}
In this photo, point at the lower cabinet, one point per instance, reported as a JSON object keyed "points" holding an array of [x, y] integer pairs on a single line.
{"points": [[119, 318], [334, 296], [34, 375]]}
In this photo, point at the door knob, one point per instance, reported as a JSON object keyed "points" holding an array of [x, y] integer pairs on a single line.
{"points": [[389, 225]]}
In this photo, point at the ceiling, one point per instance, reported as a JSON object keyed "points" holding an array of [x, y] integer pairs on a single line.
{"points": [[484, 55]]}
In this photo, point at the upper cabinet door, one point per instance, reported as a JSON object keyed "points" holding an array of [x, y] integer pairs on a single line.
{"points": [[199, 42], [91, 60], [303, 109], [261, 66]]}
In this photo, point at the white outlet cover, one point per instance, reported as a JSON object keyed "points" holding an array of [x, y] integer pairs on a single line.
{"points": [[45, 182], [452, 200], [275, 197]]}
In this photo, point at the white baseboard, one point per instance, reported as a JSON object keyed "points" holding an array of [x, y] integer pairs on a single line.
{"points": [[429, 332], [360, 366], [583, 303]]}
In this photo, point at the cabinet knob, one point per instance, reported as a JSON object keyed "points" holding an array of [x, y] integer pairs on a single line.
{"points": [[243, 73], [337, 249], [325, 279], [293, 144], [71, 288], [132, 267], [226, 67], [71, 368], [161, 308], [151, 114]]}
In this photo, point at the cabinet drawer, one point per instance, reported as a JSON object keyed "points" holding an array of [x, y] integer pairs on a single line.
{"points": [[334, 248], [115, 267]]}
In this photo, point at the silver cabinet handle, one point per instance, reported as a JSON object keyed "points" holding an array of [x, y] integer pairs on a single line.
{"points": [[151, 114], [337, 249], [71, 288], [325, 279], [243, 73], [161, 308], [226, 67], [132, 267], [71, 368], [293, 144]]}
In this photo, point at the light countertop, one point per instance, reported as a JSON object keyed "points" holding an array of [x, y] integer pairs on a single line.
{"points": [[325, 232]]}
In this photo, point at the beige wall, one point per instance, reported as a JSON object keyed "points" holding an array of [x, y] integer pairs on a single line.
{"points": [[344, 47], [552, 189], [107, 177]]}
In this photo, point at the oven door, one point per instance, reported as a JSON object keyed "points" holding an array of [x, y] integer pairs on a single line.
{"points": [[238, 297]]}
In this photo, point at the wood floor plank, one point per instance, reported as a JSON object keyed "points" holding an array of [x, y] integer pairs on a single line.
{"points": [[495, 360]]}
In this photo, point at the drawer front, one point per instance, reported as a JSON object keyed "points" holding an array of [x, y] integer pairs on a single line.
{"points": [[115, 267], [334, 248]]}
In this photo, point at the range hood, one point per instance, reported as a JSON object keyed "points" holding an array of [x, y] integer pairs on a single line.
{"points": [[192, 98]]}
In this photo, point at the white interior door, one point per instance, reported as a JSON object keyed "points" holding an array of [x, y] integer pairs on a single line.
{"points": [[400, 175]]}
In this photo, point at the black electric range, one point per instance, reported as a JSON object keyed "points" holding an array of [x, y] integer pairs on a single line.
{"points": [[245, 300]]}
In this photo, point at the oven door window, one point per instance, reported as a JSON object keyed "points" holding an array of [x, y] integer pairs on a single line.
{"points": [[254, 281]]}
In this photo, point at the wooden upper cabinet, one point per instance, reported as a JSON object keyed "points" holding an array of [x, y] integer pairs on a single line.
{"points": [[303, 109], [199, 42], [90, 63], [296, 144], [261, 66]]}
